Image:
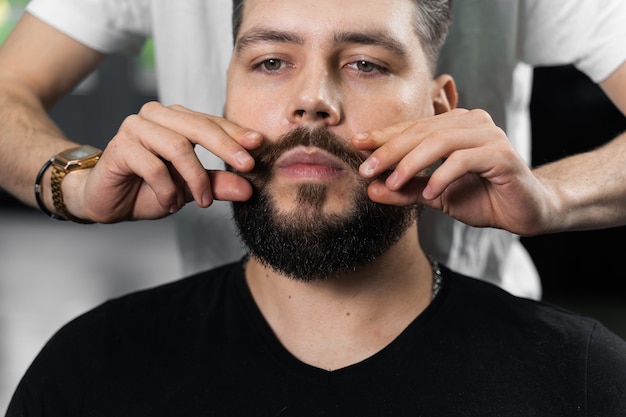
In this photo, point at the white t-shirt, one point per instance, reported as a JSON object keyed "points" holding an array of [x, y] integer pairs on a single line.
{"points": [[490, 51]]}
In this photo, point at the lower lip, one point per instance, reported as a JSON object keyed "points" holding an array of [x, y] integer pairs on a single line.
{"points": [[310, 172]]}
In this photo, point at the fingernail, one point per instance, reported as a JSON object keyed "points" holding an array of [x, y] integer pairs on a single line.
{"points": [[207, 198], [361, 136], [368, 167], [243, 158], [427, 193], [392, 180], [173, 208], [253, 136]]}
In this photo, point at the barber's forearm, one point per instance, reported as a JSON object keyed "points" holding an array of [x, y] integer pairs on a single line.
{"points": [[589, 188], [28, 137]]}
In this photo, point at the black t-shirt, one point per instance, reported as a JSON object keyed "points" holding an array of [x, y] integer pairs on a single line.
{"points": [[200, 347]]}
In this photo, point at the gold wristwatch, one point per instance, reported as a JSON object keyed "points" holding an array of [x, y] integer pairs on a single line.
{"points": [[81, 157]]}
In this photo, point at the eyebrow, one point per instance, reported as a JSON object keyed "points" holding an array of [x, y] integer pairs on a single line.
{"points": [[376, 38], [266, 35]]}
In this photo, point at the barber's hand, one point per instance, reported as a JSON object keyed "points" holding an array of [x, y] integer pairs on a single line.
{"points": [[150, 170], [480, 179]]}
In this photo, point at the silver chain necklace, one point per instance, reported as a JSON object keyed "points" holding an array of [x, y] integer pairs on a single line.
{"points": [[437, 277]]}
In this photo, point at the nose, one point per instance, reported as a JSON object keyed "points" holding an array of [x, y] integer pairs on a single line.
{"points": [[316, 99]]}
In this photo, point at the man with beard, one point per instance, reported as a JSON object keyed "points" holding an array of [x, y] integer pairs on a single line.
{"points": [[336, 310]]}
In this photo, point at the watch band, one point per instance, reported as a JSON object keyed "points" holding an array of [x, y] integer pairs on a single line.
{"points": [[39, 192], [56, 179], [79, 157]]}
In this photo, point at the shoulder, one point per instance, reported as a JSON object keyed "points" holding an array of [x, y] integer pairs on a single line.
{"points": [[588, 34], [134, 331], [184, 296], [536, 329], [486, 303], [142, 316], [551, 351]]}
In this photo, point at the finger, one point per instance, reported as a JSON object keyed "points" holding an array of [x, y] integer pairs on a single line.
{"points": [[167, 146], [228, 186], [410, 194], [224, 139], [465, 132], [247, 138], [183, 192], [425, 157], [388, 148], [483, 162], [395, 142], [376, 138]]}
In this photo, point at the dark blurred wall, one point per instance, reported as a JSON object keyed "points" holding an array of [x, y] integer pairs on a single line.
{"points": [[93, 116], [571, 114]]}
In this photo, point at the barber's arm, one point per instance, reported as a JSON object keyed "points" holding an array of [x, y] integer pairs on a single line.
{"points": [[38, 65], [591, 186], [148, 170]]}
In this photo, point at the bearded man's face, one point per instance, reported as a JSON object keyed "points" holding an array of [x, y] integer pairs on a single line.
{"points": [[310, 216]]}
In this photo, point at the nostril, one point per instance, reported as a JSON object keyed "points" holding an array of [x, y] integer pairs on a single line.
{"points": [[312, 115]]}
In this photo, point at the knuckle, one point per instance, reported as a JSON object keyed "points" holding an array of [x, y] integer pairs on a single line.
{"points": [[179, 145], [150, 107], [156, 170], [388, 150], [130, 121], [376, 135], [481, 116], [436, 136]]}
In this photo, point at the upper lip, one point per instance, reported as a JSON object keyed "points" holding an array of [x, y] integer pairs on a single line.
{"points": [[310, 156]]}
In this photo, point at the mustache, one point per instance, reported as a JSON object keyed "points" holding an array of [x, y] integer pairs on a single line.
{"points": [[305, 136]]}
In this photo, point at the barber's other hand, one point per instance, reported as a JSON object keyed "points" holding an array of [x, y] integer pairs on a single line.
{"points": [[480, 179], [150, 169]]}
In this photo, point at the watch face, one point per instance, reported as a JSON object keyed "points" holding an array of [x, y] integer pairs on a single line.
{"points": [[80, 152], [83, 156]]}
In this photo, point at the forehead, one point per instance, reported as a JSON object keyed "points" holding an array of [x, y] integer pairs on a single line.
{"points": [[327, 18]]}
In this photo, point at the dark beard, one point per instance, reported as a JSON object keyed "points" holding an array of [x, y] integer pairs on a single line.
{"points": [[309, 244]]}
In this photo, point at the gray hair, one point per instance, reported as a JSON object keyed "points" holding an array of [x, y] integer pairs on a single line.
{"points": [[432, 23]]}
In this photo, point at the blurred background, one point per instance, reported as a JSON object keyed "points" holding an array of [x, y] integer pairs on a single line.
{"points": [[52, 271]]}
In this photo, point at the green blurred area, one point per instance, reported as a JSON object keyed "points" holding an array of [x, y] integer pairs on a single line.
{"points": [[146, 57], [12, 10], [4, 31]]}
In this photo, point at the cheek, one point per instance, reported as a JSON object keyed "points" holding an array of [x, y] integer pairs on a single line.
{"points": [[387, 109], [239, 107], [258, 112], [411, 104]]}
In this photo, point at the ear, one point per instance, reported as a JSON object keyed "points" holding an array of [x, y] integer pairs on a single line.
{"points": [[444, 94]]}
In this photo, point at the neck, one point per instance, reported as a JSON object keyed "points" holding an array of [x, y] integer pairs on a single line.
{"points": [[346, 318]]}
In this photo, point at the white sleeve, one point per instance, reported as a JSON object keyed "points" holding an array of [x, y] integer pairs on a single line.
{"points": [[104, 25], [591, 34]]}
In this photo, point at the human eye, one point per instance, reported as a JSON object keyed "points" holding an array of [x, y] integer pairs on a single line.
{"points": [[269, 65], [366, 67]]}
